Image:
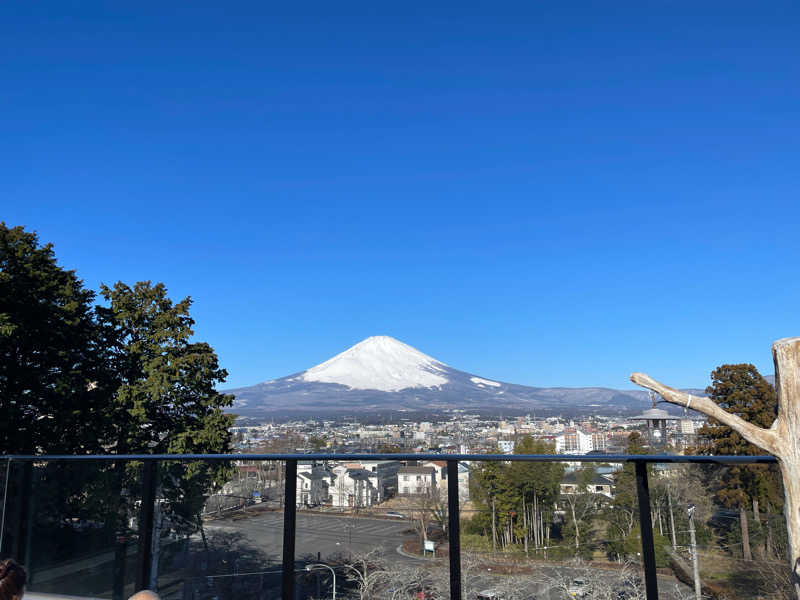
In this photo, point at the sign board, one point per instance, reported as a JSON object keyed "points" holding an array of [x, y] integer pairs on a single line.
{"points": [[429, 545]]}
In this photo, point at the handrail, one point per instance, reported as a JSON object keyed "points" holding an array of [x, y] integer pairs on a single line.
{"points": [[593, 458], [452, 460]]}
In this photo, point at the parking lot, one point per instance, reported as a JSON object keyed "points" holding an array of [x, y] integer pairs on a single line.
{"points": [[321, 534]]}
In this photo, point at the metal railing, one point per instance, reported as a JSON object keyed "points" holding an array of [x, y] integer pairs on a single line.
{"points": [[146, 515]]}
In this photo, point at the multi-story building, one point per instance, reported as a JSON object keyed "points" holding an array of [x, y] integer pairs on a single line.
{"points": [[506, 446], [574, 441], [599, 441]]}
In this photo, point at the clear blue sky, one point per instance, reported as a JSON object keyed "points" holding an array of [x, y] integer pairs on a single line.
{"points": [[541, 193]]}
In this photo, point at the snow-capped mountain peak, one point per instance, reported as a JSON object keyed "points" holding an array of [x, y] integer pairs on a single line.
{"points": [[380, 363]]}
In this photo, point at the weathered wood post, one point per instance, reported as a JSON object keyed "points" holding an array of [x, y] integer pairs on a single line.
{"points": [[782, 440]]}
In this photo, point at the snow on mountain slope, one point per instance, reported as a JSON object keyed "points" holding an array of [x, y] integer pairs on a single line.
{"points": [[381, 374], [482, 381], [380, 363]]}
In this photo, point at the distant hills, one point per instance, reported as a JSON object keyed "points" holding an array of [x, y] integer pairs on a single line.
{"points": [[382, 375]]}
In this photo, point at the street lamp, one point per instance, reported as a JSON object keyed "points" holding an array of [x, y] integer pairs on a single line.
{"points": [[311, 567]]}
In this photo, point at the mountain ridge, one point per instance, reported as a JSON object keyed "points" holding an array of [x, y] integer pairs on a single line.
{"points": [[382, 374]]}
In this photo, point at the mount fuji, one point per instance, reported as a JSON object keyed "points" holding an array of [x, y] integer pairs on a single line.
{"points": [[382, 374]]}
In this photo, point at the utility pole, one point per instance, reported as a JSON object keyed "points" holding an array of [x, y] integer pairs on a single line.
{"points": [[697, 589]]}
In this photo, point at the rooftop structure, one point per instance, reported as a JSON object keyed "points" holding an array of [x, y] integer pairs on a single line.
{"points": [[656, 419]]}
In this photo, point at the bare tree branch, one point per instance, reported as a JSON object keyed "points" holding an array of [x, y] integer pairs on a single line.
{"points": [[763, 438]]}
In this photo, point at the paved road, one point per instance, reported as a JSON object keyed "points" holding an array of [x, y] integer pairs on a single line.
{"points": [[318, 533]]}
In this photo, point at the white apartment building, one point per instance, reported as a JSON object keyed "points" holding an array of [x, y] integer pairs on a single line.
{"points": [[506, 446], [574, 441]]}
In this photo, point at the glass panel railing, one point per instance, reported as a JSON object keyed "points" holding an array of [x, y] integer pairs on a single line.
{"points": [[381, 528], [725, 518], [560, 530], [230, 544], [8, 504], [355, 521], [80, 525]]}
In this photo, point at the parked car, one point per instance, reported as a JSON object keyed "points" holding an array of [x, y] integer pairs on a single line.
{"points": [[395, 515], [579, 588]]}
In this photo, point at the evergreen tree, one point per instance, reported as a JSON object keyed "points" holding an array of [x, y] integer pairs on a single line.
{"points": [[740, 389], [162, 400], [516, 501], [164, 397], [537, 491], [123, 378], [48, 356]]}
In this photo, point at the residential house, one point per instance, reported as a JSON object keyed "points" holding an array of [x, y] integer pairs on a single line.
{"points": [[599, 484], [386, 476], [312, 486], [353, 487], [416, 480]]}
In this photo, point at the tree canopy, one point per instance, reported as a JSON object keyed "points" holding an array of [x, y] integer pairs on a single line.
{"points": [[48, 352], [124, 376], [740, 389]]}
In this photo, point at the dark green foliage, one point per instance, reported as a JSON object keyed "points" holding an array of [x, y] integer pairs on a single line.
{"points": [[48, 352], [741, 390], [515, 496], [121, 378], [164, 398], [631, 546]]}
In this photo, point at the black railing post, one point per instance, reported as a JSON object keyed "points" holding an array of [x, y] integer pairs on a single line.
{"points": [[144, 557], [21, 548], [289, 529], [5, 500], [646, 526], [454, 534]]}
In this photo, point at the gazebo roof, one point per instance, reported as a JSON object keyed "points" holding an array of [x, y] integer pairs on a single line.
{"points": [[655, 414]]}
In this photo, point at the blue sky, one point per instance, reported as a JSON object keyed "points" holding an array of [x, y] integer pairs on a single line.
{"points": [[543, 194]]}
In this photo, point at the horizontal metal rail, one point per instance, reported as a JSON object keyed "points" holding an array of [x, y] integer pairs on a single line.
{"points": [[290, 501], [589, 458]]}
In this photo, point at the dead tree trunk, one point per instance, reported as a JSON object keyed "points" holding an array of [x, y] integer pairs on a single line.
{"points": [[768, 541], [782, 440], [671, 519], [746, 552], [494, 529]]}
